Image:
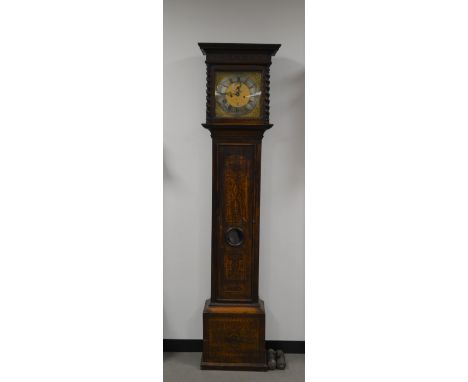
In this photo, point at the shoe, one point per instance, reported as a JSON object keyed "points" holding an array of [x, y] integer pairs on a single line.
{"points": [[280, 360], [271, 357]]}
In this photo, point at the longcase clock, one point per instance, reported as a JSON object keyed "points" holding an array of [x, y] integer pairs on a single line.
{"points": [[237, 115]]}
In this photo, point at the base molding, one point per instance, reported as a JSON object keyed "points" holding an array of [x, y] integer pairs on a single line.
{"points": [[233, 366], [196, 345]]}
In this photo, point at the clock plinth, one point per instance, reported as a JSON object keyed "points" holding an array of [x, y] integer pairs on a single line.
{"points": [[234, 337], [237, 117]]}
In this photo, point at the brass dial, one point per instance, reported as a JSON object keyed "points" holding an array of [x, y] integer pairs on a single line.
{"points": [[238, 95]]}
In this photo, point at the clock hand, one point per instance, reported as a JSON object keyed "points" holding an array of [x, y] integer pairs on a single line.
{"points": [[238, 89], [254, 94], [222, 94]]}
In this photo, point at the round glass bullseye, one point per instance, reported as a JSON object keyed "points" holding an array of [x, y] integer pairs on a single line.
{"points": [[234, 237]]}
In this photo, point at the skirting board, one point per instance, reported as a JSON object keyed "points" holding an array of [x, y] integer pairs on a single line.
{"points": [[169, 345]]}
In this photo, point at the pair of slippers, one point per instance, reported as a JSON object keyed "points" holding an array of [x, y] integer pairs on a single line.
{"points": [[276, 359]]}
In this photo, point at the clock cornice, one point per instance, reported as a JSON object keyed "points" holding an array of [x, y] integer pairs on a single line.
{"points": [[215, 47]]}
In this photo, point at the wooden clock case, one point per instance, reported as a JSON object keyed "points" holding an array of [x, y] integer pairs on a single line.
{"points": [[234, 316]]}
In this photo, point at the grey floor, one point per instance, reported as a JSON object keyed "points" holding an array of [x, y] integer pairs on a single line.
{"points": [[185, 367]]}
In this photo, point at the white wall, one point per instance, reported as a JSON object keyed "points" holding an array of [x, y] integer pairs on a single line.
{"points": [[187, 161]]}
